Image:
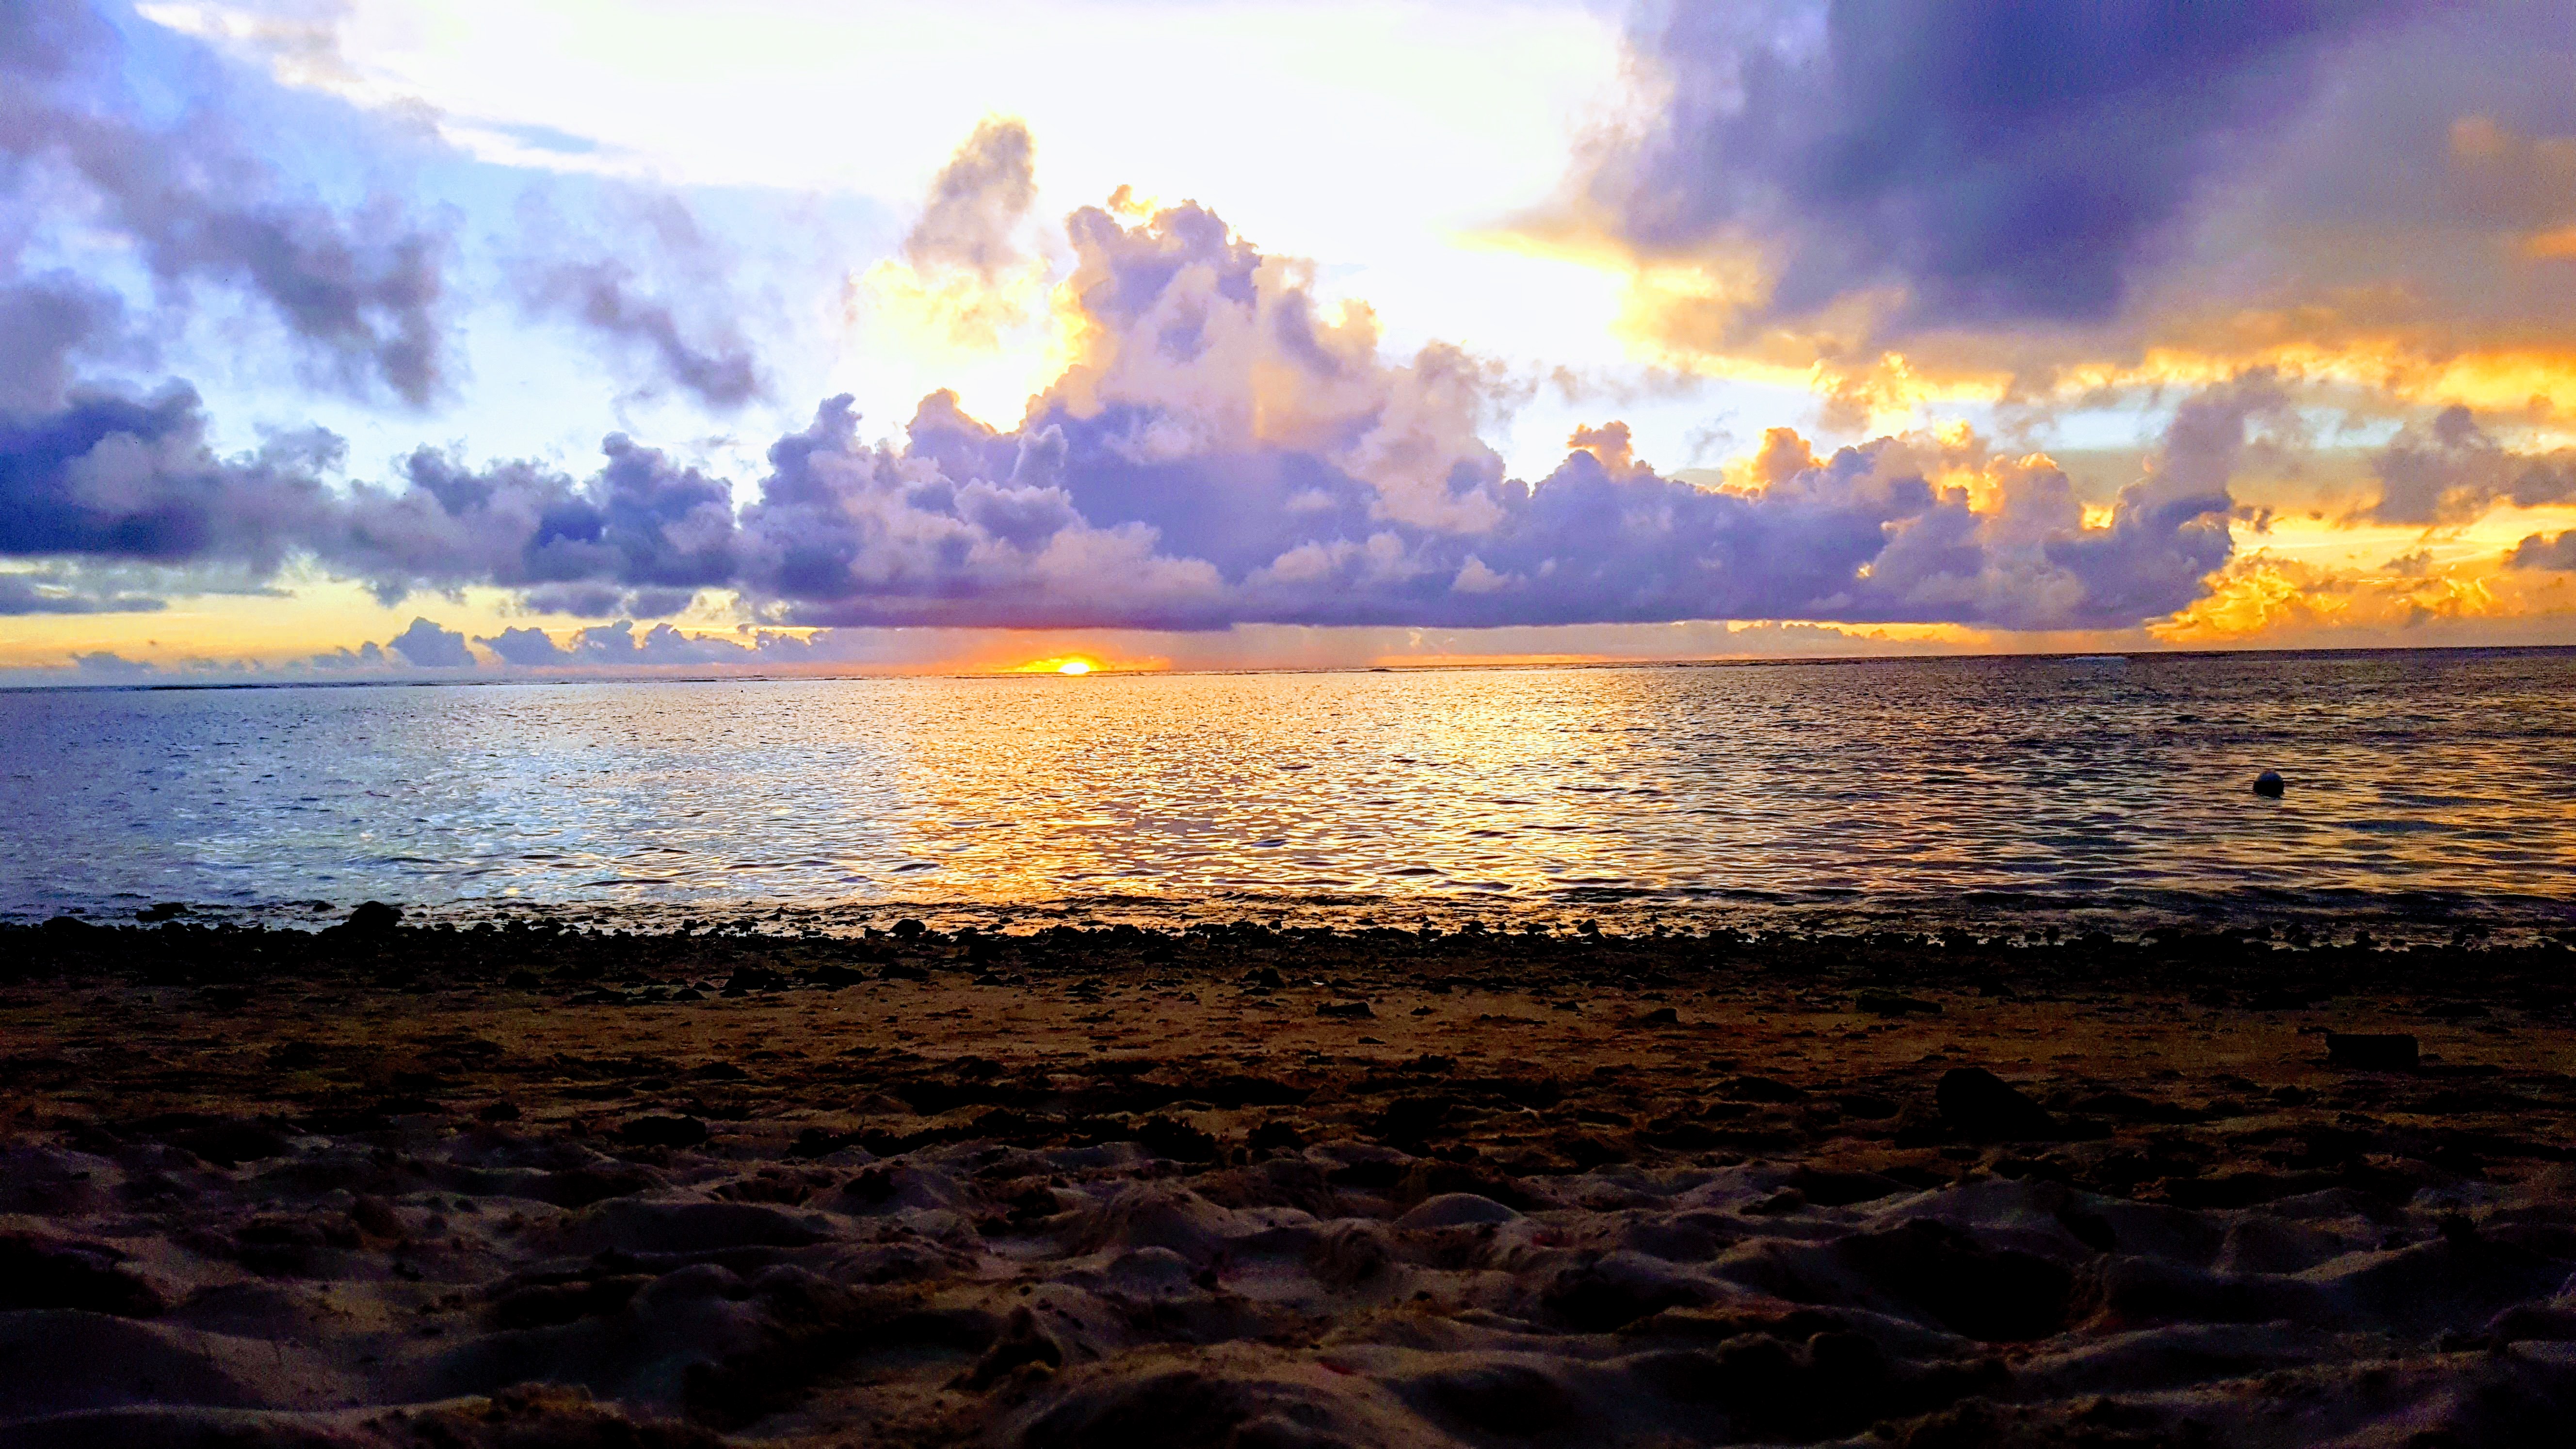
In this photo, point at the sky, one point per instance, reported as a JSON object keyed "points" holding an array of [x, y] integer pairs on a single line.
{"points": [[501, 338]]}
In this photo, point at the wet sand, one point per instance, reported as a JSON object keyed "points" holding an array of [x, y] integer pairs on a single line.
{"points": [[535, 1187]]}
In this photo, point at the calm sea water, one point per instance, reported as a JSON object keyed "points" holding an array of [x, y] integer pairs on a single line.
{"points": [[2423, 786]]}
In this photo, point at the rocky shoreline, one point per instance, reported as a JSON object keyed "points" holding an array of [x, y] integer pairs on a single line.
{"points": [[1236, 1185]]}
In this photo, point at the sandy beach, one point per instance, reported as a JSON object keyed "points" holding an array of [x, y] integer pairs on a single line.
{"points": [[1237, 1186]]}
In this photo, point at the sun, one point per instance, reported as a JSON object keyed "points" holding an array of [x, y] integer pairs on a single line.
{"points": [[1076, 665], [1061, 664]]}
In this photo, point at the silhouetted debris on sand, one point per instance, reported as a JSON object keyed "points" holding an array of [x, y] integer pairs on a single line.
{"points": [[408, 1186]]}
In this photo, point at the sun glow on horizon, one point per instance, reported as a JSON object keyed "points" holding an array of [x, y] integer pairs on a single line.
{"points": [[1069, 664]]}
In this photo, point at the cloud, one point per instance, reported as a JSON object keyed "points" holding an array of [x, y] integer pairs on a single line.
{"points": [[44, 594], [365, 656], [122, 479], [603, 295], [46, 323], [108, 665], [965, 275], [2556, 551], [525, 647], [117, 131], [1222, 451], [119, 478], [427, 646], [617, 646], [1991, 162], [2278, 600], [698, 349], [642, 535], [359, 288], [2452, 471], [1911, 200], [977, 204]]}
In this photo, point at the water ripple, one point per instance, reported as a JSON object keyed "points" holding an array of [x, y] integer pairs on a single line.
{"points": [[2421, 783]]}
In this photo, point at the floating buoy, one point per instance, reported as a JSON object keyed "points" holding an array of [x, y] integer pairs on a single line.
{"points": [[2268, 783]]}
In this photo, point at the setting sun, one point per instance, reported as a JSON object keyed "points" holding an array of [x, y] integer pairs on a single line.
{"points": [[1062, 664]]}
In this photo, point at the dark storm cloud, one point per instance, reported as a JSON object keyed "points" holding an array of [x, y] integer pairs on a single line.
{"points": [[2000, 161], [1218, 456], [640, 535], [641, 522]]}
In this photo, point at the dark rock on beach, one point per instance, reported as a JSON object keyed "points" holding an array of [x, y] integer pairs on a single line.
{"points": [[663, 1132], [2372, 1051], [371, 920], [38, 1272], [1981, 1106]]}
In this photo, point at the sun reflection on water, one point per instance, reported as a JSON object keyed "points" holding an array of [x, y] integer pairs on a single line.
{"points": [[1592, 791]]}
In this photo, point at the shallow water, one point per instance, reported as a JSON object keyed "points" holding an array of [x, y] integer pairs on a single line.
{"points": [[2422, 785]]}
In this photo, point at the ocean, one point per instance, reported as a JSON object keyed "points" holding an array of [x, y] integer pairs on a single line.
{"points": [[2426, 791]]}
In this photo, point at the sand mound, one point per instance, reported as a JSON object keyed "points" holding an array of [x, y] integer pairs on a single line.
{"points": [[791, 1218]]}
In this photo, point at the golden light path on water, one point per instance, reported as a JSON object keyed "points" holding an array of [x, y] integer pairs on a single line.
{"points": [[1915, 786]]}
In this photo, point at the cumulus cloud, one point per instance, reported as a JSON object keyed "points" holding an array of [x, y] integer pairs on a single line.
{"points": [[2546, 551], [107, 665], [110, 478], [1223, 451], [119, 478], [526, 647], [427, 646], [2452, 470], [619, 646], [366, 656], [2287, 601], [641, 524]]}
